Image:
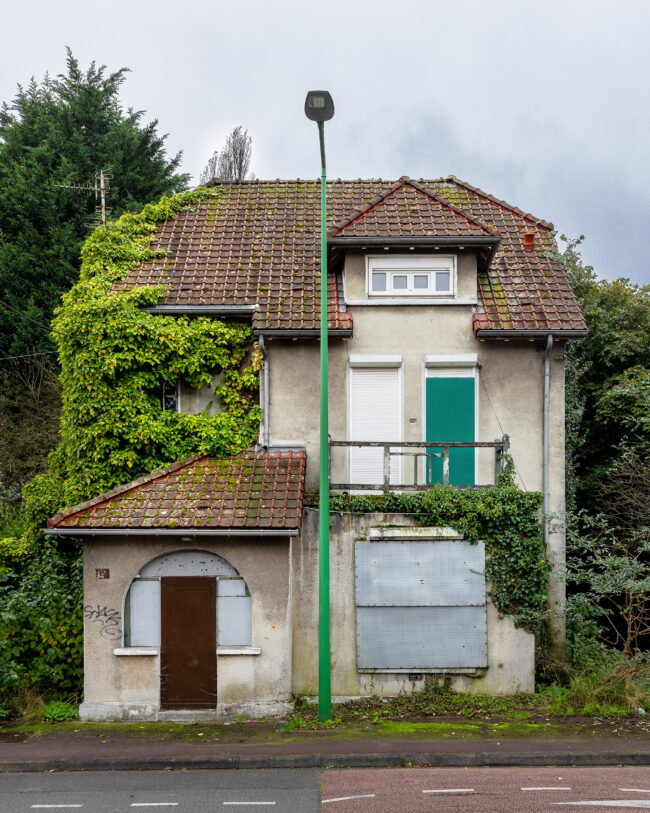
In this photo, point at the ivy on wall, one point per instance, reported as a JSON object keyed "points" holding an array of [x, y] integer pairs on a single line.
{"points": [[114, 356], [506, 519]]}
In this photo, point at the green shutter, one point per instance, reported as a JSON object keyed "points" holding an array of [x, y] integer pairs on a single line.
{"points": [[451, 417]]}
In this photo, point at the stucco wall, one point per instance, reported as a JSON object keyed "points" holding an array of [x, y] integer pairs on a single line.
{"points": [[510, 393], [511, 659], [121, 686]]}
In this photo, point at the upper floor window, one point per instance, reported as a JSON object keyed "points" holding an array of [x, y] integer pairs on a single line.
{"points": [[418, 275], [169, 397]]}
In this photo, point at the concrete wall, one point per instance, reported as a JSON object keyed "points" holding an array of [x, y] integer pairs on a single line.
{"points": [[511, 656], [193, 401], [128, 686]]}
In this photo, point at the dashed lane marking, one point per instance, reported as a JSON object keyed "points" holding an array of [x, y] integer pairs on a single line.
{"points": [[249, 803], [549, 788], [154, 804], [450, 790], [345, 798], [51, 806], [637, 803]]}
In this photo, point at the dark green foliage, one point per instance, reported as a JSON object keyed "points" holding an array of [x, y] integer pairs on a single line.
{"points": [[62, 131], [608, 380], [30, 413], [41, 622], [504, 518]]}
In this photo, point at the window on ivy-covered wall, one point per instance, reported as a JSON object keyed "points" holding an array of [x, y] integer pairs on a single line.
{"points": [[169, 396]]}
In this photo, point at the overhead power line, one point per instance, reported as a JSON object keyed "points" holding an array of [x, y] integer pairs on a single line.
{"points": [[28, 355], [29, 319]]}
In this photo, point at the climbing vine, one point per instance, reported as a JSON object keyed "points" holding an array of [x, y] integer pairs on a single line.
{"points": [[114, 358], [504, 518]]}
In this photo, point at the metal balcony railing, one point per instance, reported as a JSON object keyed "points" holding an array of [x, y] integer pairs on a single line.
{"points": [[423, 456]]}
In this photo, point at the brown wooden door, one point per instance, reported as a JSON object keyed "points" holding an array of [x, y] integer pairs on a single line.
{"points": [[188, 650]]}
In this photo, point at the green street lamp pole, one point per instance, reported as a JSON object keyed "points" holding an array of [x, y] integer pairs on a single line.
{"points": [[319, 107]]}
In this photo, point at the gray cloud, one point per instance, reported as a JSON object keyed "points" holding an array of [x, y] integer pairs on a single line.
{"points": [[545, 106]]}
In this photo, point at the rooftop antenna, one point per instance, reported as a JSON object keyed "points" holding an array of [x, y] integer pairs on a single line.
{"points": [[101, 188]]}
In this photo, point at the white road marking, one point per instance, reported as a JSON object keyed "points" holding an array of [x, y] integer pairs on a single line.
{"points": [[640, 803], [249, 803], [154, 804], [345, 798], [549, 788], [450, 790], [50, 806]]}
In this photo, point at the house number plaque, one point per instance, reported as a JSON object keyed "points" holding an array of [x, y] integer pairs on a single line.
{"points": [[102, 573]]}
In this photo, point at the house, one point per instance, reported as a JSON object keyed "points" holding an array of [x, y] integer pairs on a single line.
{"points": [[448, 315]]}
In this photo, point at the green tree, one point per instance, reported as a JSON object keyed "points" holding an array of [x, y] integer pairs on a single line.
{"points": [[58, 133], [608, 380], [62, 131]]}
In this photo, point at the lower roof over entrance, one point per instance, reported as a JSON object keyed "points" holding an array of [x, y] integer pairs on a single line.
{"points": [[257, 491]]}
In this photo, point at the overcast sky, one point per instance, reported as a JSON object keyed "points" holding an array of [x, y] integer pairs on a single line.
{"points": [[546, 105]]}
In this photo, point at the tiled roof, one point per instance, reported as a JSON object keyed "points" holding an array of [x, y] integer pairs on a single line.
{"points": [[250, 491], [406, 209], [258, 243], [523, 289]]}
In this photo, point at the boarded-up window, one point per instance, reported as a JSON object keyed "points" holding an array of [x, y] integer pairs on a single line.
{"points": [[234, 613], [420, 605], [143, 600]]}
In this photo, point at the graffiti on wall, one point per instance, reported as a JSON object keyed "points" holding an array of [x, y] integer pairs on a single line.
{"points": [[109, 620]]}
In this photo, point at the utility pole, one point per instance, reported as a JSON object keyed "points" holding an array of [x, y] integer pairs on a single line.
{"points": [[101, 188]]}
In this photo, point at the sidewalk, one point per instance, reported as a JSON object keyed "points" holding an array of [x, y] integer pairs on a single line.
{"points": [[460, 743]]}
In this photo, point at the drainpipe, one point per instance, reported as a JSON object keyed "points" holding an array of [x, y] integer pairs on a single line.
{"points": [[547, 399], [266, 432]]}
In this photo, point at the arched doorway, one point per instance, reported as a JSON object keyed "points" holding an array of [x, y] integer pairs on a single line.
{"points": [[187, 603]]}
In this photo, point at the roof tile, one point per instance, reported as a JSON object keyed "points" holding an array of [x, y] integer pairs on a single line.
{"points": [[257, 243], [251, 490]]}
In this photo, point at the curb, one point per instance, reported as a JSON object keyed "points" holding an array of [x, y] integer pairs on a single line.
{"points": [[325, 761]]}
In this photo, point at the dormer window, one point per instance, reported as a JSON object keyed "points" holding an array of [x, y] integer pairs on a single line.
{"points": [[419, 276]]}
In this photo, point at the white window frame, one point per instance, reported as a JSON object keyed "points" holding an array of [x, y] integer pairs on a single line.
{"points": [[410, 266]]}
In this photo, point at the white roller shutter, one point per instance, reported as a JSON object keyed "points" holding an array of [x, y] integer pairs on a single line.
{"points": [[375, 415]]}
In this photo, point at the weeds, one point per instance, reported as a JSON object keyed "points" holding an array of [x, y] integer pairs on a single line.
{"points": [[58, 711]]}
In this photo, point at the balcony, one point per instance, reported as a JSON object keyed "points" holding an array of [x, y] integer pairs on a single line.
{"points": [[384, 467]]}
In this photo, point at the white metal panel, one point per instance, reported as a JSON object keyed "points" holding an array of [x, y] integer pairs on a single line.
{"points": [[422, 573], [375, 414], [231, 587], [421, 637], [235, 620], [144, 613]]}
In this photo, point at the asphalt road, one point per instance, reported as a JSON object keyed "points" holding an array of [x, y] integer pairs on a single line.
{"points": [[411, 790], [276, 790], [485, 790]]}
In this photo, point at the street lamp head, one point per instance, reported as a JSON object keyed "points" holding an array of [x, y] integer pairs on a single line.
{"points": [[319, 105]]}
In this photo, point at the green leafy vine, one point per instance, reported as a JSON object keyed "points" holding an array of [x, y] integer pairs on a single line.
{"points": [[506, 519], [114, 357]]}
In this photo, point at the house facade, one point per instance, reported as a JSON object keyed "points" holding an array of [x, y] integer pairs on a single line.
{"points": [[448, 316]]}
